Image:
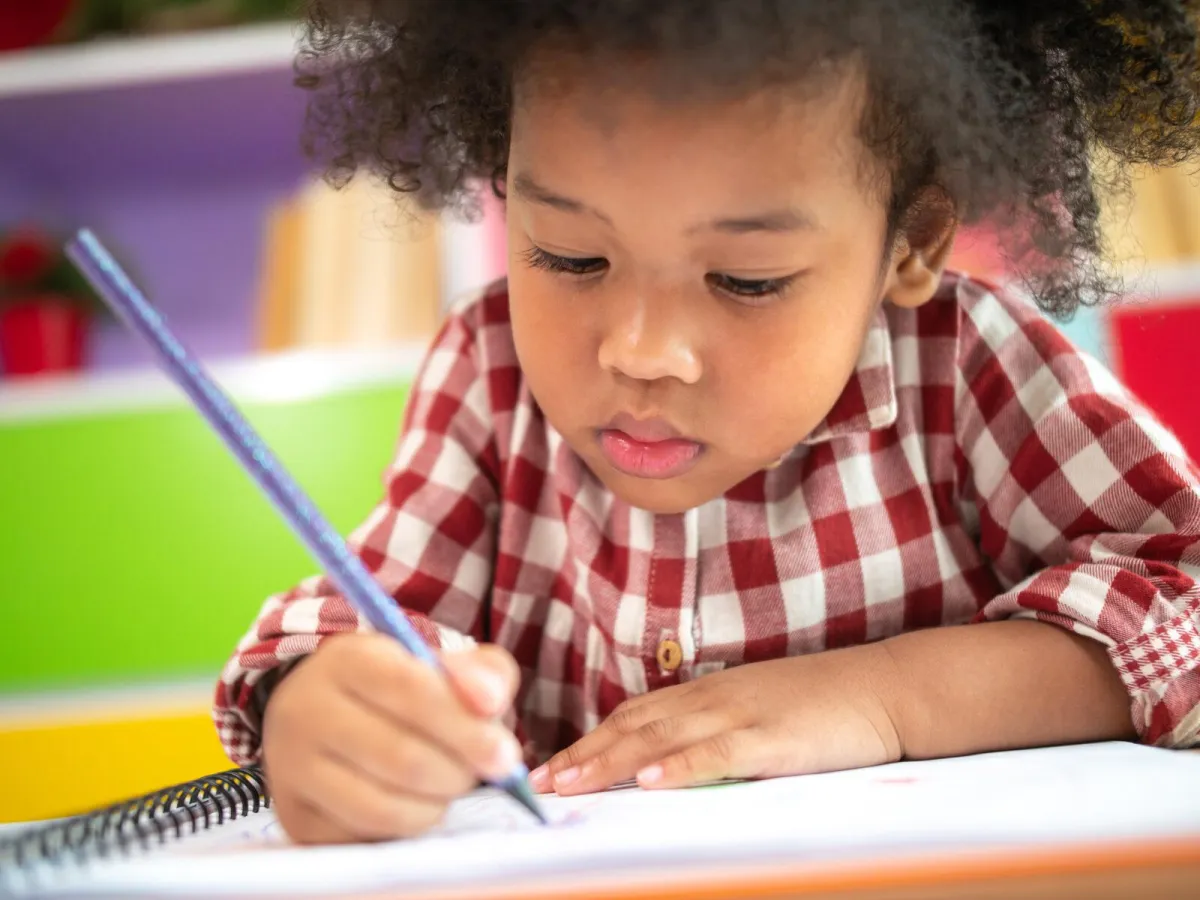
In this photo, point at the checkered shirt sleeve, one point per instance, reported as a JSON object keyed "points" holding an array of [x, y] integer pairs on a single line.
{"points": [[429, 542], [1087, 507]]}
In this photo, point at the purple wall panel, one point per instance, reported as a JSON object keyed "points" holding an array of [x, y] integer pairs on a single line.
{"points": [[223, 127], [16, 199], [177, 177], [195, 249]]}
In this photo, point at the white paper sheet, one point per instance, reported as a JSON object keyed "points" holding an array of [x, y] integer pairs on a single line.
{"points": [[1038, 797]]}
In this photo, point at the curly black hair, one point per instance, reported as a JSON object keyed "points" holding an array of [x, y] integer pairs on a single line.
{"points": [[1022, 111]]}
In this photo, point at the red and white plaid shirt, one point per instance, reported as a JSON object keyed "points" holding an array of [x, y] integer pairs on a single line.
{"points": [[976, 467]]}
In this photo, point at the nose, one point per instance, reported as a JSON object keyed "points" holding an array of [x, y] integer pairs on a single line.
{"points": [[649, 339]]}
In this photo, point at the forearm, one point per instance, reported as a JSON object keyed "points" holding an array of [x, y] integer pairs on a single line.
{"points": [[1000, 685]]}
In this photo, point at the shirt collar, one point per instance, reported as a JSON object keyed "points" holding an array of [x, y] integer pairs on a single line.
{"points": [[868, 401]]}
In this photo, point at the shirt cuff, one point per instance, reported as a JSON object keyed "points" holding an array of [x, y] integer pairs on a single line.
{"points": [[1161, 670]]}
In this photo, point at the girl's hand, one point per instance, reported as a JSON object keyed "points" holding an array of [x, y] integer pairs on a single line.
{"points": [[783, 717], [363, 742]]}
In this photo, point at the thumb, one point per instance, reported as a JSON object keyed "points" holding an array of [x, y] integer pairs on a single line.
{"points": [[485, 678]]}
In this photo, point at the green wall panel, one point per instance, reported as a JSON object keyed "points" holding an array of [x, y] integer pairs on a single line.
{"points": [[133, 547]]}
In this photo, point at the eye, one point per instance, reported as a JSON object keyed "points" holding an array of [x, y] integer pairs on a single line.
{"points": [[537, 258], [751, 289]]}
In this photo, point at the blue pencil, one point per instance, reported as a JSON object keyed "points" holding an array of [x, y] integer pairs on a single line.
{"points": [[343, 567]]}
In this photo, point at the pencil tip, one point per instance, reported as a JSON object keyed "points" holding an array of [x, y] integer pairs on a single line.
{"points": [[520, 792]]}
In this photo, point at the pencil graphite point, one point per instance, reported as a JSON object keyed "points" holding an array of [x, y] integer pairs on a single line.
{"points": [[520, 792]]}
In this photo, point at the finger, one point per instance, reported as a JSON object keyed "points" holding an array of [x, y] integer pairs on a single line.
{"points": [[361, 807], [627, 718], [653, 741], [486, 678], [562, 769], [385, 677], [398, 759], [726, 754], [414, 696], [304, 823]]}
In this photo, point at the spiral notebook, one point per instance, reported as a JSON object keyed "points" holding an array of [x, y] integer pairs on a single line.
{"points": [[218, 836]]}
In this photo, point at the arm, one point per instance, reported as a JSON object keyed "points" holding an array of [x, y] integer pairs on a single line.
{"points": [[933, 693], [428, 543], [999, 685], [1089, 511]]}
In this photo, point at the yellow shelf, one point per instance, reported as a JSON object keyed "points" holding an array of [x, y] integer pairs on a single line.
{"points": [[66, 766]]}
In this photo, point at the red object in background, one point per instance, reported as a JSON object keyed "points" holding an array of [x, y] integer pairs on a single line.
{"points": [[42, 334], [1154, 354], [24, 258], [26, 23]]}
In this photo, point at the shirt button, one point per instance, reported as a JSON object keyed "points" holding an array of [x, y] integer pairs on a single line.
{"points": [[669, 655]]}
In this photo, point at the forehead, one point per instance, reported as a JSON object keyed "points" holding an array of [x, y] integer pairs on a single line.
{"points": [[572, 117]]}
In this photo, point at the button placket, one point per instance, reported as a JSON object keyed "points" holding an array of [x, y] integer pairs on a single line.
{"points": [[670, 601]]}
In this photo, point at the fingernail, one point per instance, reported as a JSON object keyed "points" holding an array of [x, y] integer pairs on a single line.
{"points": [[506, 755], [650, 774], [493, 687], [539, 777], [566, 777]]}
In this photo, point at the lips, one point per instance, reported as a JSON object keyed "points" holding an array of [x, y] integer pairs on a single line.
{"points": [[647, 448]]}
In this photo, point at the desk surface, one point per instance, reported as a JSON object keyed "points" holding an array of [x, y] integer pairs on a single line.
{"points": [[1161, 870], [1005, 866]]}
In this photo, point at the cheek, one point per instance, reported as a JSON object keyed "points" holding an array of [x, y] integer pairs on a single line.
{"points": [[781, 379], [551, 347]]}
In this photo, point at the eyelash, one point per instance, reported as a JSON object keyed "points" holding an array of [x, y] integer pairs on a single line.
{"points": [[754, 289], [538, 258], [743, 289]]}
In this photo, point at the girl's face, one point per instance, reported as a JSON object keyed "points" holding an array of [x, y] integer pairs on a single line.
{"points": [[690, 285]]}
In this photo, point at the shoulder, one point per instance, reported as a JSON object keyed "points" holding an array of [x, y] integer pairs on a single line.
{"points": [[1018, 374], [484, 311], [978, 331], [979, 315], [480, 323], [1009, 347], [1001, 322], [983, 356], [476, 337]]}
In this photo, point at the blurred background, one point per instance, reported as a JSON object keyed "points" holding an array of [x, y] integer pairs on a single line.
{"points": [[134, 553]]}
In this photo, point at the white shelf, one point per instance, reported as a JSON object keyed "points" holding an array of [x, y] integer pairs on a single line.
{"points": [[268, 378], [105, 702], [120, 62], [1151, 284], [1167, 284]]}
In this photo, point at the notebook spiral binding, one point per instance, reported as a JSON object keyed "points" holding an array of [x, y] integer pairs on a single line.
{"points": [[140, 822]]}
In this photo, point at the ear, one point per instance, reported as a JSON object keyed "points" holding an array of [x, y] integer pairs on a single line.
{"points": [[921, 251]]}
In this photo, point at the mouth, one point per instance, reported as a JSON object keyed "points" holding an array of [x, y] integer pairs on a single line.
{"points": [[647, 448]]}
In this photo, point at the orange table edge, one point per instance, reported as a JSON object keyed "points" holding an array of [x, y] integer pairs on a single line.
{"points": [[1145, 870]]}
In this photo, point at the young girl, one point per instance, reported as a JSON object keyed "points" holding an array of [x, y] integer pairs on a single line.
{"points": [[731, 478]]}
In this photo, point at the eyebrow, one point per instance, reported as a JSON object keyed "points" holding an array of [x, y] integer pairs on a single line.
{"points": [[526, 187], [779, 221]]}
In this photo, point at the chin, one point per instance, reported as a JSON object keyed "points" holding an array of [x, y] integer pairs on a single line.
{"points": [[666, 496]]}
